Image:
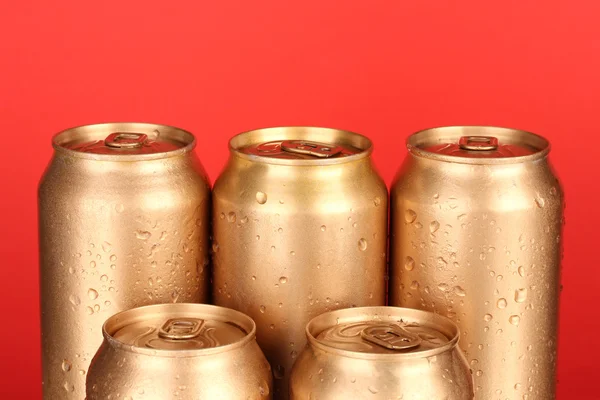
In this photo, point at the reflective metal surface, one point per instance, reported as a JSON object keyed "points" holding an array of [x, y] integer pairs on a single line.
{"points": [[476, 236], [381, 353], [179, 351], [296, 234], [121, 226]]}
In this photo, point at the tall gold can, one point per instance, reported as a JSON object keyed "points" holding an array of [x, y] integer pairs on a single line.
{"points": [[124, 222], [381, 353], [476, 219], [299, 228], [179, 351]]}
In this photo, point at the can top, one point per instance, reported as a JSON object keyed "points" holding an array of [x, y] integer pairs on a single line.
{"points": [[299, 150], [300, 145], [178, 329], [375, 332], [477, 144], [124, 141]]}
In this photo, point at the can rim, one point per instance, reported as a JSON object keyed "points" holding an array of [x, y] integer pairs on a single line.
{"points": [[454, 132], [134, 127], [223, 314], [354, 314], [306, 132]]}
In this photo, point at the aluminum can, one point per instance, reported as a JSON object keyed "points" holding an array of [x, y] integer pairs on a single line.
{"points": [[179, 351], [123, 222], [476, 219], [299, 228], [381, 353]]}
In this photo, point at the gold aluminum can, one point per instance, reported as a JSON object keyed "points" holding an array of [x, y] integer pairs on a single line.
{"points": [[381, 353], [476, 219], [179, 351], [124, 222], [299, 228]]}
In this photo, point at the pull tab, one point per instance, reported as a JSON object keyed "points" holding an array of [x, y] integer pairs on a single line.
{"points": [[125, 140], [478, 143], [392, 337], [320, 150], [181, 328]]}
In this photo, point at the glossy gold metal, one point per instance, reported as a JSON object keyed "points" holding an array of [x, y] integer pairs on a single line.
{"points": [[123, 223], [477, 237], [179, 351], [381, 353], [297, 233]]}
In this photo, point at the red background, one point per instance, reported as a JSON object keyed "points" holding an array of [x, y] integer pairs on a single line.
{"points": [[217, 68]]}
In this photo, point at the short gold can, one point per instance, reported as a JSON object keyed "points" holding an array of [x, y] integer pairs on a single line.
{"points": [[179, 351], [381, 353]]}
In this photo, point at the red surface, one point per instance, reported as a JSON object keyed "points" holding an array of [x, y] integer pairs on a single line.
{"points": [[382, 68]]}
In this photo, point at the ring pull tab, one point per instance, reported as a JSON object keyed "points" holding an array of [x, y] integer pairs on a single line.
{"points": [[320, 150], [392, 337], [181, 328], [478, 143], [125, 140]]}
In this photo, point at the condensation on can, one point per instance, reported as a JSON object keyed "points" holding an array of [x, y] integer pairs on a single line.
{"points": [[124, 222], [299, 228], [346, 346], [186, 351], [476, 224]]}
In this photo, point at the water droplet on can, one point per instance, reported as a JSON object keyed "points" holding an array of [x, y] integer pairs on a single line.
{"points": [[501, 303], [66, 365], [410, 216], [231, 217], [92, 294], [434, 226], [443, 287], [278, 372], [74, 300], [362, 244], [459, 291], [143, 235], [520, 295], [514, 320], [261, 197], [409, 264], [539, 201]]}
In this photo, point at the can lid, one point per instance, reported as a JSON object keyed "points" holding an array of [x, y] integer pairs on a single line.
{"points": [[383, 330], [299, 149], [477, 142], [300, 145], [177, 327], [123, 139]]}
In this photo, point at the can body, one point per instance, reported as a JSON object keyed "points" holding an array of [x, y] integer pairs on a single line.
{"points": [[293, 238], [479, 240], [344, 363], [217, 363], [116, 231]]}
